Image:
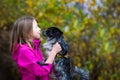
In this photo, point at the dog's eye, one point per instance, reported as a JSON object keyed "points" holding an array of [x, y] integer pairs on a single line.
{"points": [[50, 33]]}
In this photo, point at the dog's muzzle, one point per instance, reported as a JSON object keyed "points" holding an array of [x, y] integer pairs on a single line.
{"points": [[44, 33]]}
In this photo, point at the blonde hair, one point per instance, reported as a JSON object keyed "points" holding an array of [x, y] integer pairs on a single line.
{"points": [[21, 31]]}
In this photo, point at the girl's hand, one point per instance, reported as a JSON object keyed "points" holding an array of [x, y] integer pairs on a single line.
{"points": [[56, 48]]}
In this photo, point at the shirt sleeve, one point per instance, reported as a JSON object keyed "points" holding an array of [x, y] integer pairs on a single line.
{"points": [[28, 61]]}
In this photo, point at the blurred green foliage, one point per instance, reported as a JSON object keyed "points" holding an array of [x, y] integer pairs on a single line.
{"points": [[93, 39]]}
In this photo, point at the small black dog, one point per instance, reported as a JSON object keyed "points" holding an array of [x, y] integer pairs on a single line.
{"points": [[62, 69]]}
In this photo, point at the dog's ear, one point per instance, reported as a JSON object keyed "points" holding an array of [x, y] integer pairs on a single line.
{"points": [[64, 45]]}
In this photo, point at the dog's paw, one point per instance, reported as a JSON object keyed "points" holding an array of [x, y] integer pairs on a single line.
{"points": [[42, 64]]}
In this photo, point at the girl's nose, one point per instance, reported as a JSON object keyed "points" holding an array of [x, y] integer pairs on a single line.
{"points": [[39, 28]]}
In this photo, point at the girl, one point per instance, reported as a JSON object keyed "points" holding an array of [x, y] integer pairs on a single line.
{"points": [[25, 40]]}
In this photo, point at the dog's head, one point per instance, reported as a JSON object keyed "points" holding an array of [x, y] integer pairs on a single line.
{"points": [[56, 34], [52, 32]]}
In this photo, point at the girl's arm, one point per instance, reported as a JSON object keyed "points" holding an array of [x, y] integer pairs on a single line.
{"points": [[27, 62], [54, 51]]}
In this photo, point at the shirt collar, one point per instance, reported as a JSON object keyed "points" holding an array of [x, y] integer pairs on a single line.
{"points": [[36, 42]]}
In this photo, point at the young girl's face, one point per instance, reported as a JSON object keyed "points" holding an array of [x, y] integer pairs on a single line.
{"points": [[36, 30]]}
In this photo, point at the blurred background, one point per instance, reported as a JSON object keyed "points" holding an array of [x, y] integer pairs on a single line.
{"points": [[91, 28]]}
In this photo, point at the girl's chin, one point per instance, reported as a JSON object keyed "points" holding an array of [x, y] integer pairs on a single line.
{"points": [[37, 38]]}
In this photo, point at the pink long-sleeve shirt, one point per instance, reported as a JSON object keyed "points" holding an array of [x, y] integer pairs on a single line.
{"points": [[26, 59]]}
